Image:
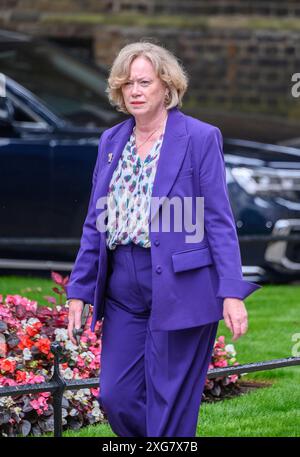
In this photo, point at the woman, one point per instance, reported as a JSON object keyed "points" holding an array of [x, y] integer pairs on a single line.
{"points": [[161, 292]]}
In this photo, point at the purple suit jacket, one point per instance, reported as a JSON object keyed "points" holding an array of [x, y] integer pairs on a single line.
{"points": [[189, 280]]}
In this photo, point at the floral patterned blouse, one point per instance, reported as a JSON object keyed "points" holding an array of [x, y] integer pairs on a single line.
{"points": [[129, 196]]}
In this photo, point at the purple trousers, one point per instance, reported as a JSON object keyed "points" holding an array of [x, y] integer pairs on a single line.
{"points": [[151, 382]]}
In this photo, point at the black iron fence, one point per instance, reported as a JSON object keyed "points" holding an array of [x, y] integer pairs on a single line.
{"points": [[57, 384]]}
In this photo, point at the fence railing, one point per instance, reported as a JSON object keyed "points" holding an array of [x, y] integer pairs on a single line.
{"points": [[57, 384]]}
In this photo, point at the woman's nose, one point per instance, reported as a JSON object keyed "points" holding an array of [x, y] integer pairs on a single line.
{"points": [[136, 88]]}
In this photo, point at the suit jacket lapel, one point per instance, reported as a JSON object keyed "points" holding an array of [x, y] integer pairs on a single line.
{"points": [[171, 156], [172, 153]]}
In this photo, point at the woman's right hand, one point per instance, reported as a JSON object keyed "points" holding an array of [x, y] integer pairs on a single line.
{"points": [[75, 311]]}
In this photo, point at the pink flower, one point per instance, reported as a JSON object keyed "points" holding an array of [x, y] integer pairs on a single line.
{"points": [[221, 363], [4, 312], [92, 337], [233, 377], [45, 394], [23, 301], [7, 382], [95, 392], [50, 299], [80, 361], [34, 328], [93, 365], [94, 350], [40, 404], [35, 379]]}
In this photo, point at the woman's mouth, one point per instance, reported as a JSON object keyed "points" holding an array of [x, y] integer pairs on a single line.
{"points": [[137, 103]]}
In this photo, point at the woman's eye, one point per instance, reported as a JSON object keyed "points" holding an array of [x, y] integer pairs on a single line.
{"points": [[143, 83]]}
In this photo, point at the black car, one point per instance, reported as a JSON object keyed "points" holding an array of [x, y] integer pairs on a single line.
{"points": [[53, 111]]}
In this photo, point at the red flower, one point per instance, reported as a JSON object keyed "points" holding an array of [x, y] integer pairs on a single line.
{"points": [[43, 344], [21, 376], [25, 342], [34, 329], [7, 366]]}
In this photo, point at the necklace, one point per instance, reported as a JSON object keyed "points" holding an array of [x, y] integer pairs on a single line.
{"points": [[148, 138]]}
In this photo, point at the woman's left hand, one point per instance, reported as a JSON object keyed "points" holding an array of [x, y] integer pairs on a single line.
{"points": [[235, 316]]}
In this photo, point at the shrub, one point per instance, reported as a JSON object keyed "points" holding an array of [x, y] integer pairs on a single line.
{"points": [[26, 333]]}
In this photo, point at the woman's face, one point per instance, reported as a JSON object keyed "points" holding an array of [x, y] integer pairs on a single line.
{"points": [[144, 92]]}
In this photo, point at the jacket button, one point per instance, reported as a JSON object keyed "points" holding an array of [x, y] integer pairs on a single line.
{"points": [[156, 242], [158, 269]]}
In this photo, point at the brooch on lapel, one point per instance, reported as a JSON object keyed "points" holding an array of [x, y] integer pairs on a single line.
{"points": [[110, 156]]}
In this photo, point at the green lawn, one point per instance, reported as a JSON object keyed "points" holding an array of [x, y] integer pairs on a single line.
{"points": [[274, 316]]}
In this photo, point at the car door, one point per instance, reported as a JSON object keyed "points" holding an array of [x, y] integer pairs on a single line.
{"points": [[72, 164], [25, 211]]}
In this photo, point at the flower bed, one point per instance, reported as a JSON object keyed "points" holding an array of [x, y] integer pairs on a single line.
{"points": [[26, 333]]}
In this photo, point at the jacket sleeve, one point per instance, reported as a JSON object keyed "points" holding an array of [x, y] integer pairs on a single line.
{"points": [[219, 222], [82, 280]]}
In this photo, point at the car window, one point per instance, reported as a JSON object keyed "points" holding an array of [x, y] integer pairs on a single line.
{"points": [[70, 89], [22, 113]]}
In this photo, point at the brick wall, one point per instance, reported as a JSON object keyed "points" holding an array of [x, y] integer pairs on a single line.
{"points": [[237, 70], [231, 71], [253, 7]]}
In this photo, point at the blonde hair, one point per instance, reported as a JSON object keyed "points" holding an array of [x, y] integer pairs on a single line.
{"points": [[165, 64]]}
